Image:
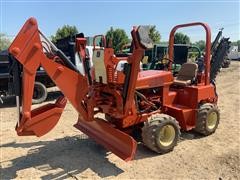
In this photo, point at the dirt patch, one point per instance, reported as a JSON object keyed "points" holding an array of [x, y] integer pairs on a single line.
{"points": [[230, 165], [67, 153]]}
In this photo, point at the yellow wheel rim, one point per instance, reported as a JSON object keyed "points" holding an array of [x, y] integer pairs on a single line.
{"points": [[212, 120], [167, 135]]}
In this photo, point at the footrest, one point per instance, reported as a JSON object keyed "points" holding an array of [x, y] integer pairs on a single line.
{"points": [[184, 115]]}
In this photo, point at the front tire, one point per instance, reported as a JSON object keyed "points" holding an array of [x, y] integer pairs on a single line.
{"points": [[161, 133], [208, 119]]}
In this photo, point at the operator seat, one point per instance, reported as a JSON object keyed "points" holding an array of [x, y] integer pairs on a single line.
{"points": [[186, 74]]}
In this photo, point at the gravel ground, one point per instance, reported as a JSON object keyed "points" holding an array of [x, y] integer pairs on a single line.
{"points": [[67, 153]]}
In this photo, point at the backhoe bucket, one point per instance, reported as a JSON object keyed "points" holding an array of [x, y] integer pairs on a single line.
{"points": [[42, 119], [118, 142]]}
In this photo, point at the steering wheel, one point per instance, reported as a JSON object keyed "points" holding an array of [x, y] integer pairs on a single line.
{"points": [[169, 60], [158, 64]]}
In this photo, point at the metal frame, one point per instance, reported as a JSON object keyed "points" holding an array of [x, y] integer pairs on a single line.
{"points": [[207, 49]]}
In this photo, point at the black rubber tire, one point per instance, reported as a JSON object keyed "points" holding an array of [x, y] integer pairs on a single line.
{"points": [[203, 112], [40, 93], [151, 131], [226, 63]]}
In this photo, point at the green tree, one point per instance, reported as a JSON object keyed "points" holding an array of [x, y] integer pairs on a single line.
{"points": [[118, 37], [201, 44], [64, 31], [181, 38], [4, 42], [154, 35]]}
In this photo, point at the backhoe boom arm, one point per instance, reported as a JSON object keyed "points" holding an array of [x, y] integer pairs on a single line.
{"points": [[27, 49]]}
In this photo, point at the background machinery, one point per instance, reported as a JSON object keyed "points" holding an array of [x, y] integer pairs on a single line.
{"points": [[219, 50], [157, 56], [152, 101], [42, 81]]}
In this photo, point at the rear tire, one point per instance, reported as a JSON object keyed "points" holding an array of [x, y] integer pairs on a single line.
{"points": [[208, 119], [40, 93], [161, 133]]}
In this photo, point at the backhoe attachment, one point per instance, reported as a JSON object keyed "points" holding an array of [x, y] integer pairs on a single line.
{"points": [[30, 50]]}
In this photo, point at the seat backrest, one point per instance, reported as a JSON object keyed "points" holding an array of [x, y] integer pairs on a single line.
{"points": [[188, 71]]}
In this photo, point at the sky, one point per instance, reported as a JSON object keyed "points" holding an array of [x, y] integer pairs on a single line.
{"points": [[97, 16]]}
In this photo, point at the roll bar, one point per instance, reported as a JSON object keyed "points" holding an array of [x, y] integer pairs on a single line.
{"points": [[102, 38], [207, 49]]}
